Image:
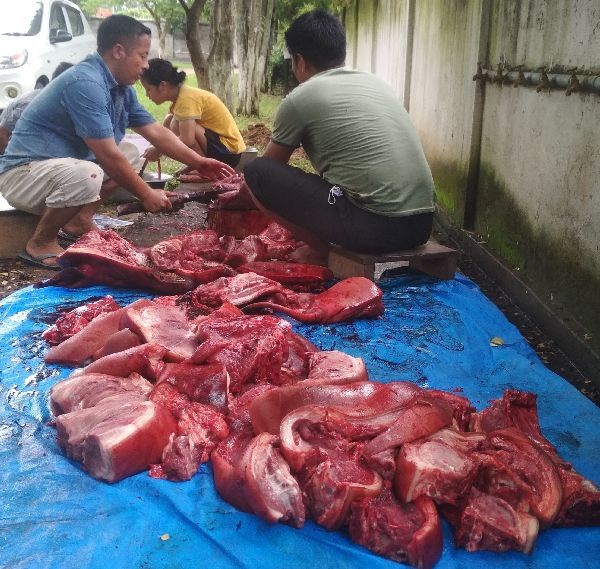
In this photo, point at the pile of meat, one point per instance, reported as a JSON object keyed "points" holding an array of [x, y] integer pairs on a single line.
{"points": [[294, 433]]}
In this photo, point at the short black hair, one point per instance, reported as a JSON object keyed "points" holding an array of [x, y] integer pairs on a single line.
{"points": [[162, 70], [319, 37], [120, 29], [60, 68]]}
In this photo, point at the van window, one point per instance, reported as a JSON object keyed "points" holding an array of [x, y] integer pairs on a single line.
{"points": [[57, 20], [26, 21], [76, 21]]}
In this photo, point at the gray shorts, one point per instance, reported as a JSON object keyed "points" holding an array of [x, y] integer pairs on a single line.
{"points": [[57, 183]]}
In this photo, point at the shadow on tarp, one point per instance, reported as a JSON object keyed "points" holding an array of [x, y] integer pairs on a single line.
{"points": [[434, 333]]}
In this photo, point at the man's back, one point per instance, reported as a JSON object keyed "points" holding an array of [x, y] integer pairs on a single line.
{"points": [[358, 136]]}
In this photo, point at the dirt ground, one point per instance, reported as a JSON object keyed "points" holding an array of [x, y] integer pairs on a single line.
{"points": [[148, 229]]}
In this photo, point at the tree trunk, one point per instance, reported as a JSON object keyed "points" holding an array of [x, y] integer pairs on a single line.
{"points": [[220, 60], [254, 19], [192, 39]]}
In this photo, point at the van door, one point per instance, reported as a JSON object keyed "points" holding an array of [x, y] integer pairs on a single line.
{"points": [[59, 51], [84, 41]]}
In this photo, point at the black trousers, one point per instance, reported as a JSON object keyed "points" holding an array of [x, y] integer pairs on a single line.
{"points": [[309, 201]]}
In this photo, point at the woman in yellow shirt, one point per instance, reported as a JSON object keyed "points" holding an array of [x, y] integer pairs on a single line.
{"points": [[198, 117]]}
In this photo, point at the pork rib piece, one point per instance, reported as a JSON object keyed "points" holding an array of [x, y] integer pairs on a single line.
{"points": [[87, 390], [116, 439], [352, 298], [251, 474], [407, 533]]}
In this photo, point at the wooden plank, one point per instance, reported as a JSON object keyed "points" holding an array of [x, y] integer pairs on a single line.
{"points": [[431, 258]]}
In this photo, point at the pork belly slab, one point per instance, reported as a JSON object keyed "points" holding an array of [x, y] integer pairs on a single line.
{"points": [[116, 439]]}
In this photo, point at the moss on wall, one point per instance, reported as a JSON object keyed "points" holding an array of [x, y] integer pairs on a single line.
{"points": [[553, 267], [450, 183]]}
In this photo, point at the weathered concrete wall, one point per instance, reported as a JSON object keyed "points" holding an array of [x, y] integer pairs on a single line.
{"points": [[175, 45], [536, 169]]}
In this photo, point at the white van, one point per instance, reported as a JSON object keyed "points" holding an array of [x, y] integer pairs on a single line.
{"points": [[35, 36]]}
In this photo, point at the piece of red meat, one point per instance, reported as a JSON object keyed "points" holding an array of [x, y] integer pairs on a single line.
{"points": [[432, 468], [289, 273], [490, 523], [87, 390], [331, 487], [77, 319], [103, 257], [335, 367], [118, 342], [407, 533], [352, 298], [116, 439], [251, 474], [146, 359], [357, 399], [207, 384]]}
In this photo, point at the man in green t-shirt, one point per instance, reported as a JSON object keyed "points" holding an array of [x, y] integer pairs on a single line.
{"points": [[373, 192]]}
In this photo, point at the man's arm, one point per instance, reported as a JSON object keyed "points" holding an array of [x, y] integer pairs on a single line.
{"points": [[278, 152], [167, 143], [116, 166]]}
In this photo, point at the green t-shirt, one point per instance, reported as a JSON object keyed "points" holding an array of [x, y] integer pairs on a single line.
{"points": [[358, 136]]}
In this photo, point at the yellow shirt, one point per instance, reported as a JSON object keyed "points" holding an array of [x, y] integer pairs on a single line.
{"points": [[211, 113]]}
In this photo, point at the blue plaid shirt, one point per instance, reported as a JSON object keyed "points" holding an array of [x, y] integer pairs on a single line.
{"points": [[83, 102]]}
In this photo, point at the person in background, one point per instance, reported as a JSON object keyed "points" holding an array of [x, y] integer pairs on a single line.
{"points": [[63, 157], [373, 191], [15, 109], [198, 117]]}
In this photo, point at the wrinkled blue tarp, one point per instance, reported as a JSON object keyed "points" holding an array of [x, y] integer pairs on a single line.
{"points": [[435, 333]]}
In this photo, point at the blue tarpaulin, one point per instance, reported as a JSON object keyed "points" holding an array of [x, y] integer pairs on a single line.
{"points": [[434, 333]]}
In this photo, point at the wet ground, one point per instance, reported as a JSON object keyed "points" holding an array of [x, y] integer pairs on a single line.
{"points": [[148, 229]]}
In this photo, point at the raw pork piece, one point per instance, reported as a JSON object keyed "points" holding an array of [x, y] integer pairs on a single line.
{"points": [[103, 257], [239, 290], [207, 384], [434, 468], [147, 360], [490, 523], [251, 474], [87, 390], [356, 399], [581, 501], [299, 349], [167, 326], [199, 430], [335, 367], [118, 342], [352, 298], [252, 349], [332, 486], [514, 450], [77, 319], [289, 274], [420, 419], [407, 533], [117, 439], [462, 408]]}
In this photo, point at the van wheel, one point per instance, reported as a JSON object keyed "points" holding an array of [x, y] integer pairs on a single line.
{"points": [[40, 83]]}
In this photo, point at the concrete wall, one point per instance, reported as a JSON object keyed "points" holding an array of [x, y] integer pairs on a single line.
{"points": [[520, 167], [175, 45]]}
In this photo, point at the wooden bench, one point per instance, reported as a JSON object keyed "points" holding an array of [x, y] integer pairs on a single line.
{"points": [[16, 228], [431, 258]]}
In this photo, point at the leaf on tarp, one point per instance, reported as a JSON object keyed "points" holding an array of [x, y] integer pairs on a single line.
{"points": [[496, 341]]}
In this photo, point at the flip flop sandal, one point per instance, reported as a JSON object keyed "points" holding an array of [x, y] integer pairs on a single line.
{"points": [[39, 260], [67, 237]]}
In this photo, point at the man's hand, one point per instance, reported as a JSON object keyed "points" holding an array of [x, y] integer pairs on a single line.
{"points": [[151, 154], [156, 201], [212, 169]]}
